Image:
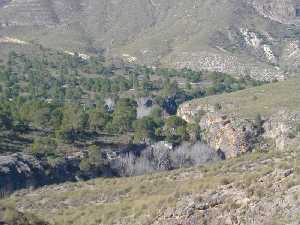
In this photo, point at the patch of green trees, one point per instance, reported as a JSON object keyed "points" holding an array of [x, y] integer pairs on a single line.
{"points": [[59, 98]]}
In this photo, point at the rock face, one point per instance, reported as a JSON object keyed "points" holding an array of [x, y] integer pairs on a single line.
{"points": [[19, 171], [232, 136], [145, 105], [284, 129]]}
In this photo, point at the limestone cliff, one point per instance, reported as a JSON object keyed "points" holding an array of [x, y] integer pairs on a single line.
{"points": [[234, 135], [284, 129]]}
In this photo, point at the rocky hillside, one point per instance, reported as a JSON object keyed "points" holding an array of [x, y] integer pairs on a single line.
{"points": [[248, 37], [253, 189], [55, 129], [18, 171], [256, 118], [257, 188]]}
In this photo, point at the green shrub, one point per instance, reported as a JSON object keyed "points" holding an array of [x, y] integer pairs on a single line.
{"points": [[94, 160], [44, 147]]}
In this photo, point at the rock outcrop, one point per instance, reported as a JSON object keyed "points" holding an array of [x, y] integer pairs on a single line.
{"points": [[19, 171], [284, 129], [231, 135], [231, 205], [234, 135], [277, 10]]}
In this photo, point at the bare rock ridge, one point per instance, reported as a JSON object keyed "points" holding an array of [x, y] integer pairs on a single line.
{"points": [[248, 37], [235, 135]]}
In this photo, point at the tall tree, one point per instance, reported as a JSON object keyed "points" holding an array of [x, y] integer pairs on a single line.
{"points": [[124, 115]]}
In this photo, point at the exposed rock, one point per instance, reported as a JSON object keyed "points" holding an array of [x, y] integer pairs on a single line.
{"points": [[19, 171], [283, 128], [226, 64], [233, 136], [278, 10], [290, 58], [231, 205], [145, 105]]}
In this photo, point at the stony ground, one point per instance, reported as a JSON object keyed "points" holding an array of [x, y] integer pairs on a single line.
{"points": [[257, 188]]}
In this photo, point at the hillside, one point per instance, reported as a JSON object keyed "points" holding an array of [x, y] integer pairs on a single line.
{"points": [[248, 37], [261, 187], [262, 118], [265, 100], [254, 189], [149, 112], [66, 116]]}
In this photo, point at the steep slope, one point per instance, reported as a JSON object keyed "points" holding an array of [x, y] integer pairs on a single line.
{"points": [[248, 37], [256, 118], [254, 189]]}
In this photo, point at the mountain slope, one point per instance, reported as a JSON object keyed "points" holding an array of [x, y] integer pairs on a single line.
{"points": [[248, 37], [262, 118], [254, 189], [257, 188]]}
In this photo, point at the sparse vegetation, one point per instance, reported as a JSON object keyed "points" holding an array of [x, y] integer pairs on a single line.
{"points": [[12, 217], [99, 109], [270, 99], [136, 200]]}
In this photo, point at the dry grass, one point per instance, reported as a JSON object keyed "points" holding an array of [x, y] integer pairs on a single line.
{"points": [[264, 100], [138, 200]]}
